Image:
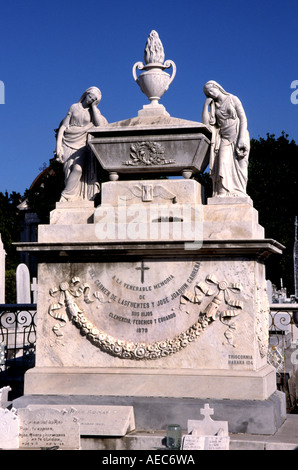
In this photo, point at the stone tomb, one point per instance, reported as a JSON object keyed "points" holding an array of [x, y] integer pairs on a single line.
{"points": [[155, 295], [170, 318], [155, 307]]}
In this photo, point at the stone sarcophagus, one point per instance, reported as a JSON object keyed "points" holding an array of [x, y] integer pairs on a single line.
{"points": [[179, 148]]}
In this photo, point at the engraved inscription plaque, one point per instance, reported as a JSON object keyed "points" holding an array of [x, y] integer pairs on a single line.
{"points": [[144, 309], [131, 310]]}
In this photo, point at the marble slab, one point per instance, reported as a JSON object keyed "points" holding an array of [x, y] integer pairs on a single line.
{"points": [[165, 313], [99, 420], [43, 428]]}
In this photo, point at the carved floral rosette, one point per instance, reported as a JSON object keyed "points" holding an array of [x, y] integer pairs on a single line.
{"points": [[68, 293]]}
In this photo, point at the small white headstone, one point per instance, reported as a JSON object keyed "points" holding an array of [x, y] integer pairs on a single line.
{"points": [[9, 429], [207, 426], [206, 434], [4, 396], [100, 420], [269, 291], [23, 284], [48, 428]]}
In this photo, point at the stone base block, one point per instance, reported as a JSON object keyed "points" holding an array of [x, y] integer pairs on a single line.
{"points": [[153, 110], [231, 218], [72, 213], [160, 191], [220, 200], [183, 383], [155, 413]]}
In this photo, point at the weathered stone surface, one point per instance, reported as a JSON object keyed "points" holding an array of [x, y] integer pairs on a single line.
{"points": [[160, 191], [144, 381], [72, 213], [99, 420], [48, 428], [185, 313]]}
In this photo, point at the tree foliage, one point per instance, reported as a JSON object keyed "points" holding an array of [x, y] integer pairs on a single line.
{"points": [[273, 187], [42, 197], [10, 227]]}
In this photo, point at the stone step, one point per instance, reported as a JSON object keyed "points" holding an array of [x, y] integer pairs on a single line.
{"points": [[286, 438]]}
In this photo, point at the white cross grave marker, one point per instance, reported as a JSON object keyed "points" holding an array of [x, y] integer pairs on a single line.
{"points": [[206, 434], [34, 289]]}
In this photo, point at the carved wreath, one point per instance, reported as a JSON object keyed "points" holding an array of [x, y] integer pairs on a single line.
{"points": [[147, 153]]}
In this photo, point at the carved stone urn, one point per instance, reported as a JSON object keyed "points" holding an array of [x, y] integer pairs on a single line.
{"points": [[154, 82]]}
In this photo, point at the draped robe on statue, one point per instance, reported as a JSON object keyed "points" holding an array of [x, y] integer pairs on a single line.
{"points": [[228, 171], [79, 164]]}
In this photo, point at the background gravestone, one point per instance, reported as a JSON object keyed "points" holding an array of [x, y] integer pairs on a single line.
{"points": [[23, 284]]}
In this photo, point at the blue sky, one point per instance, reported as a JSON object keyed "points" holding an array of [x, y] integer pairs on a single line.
{"points": [[51, 51]]}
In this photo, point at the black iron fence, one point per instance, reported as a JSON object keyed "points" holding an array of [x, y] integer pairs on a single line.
{"points": [[283, 350], [17, 344]]}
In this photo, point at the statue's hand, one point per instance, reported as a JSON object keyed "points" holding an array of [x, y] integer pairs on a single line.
{"points": [[95, 103], [241, 149], [59, 154], [208, 101]]}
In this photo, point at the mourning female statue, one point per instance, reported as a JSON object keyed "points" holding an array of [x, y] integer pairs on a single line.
{"points": [[230, 143], [71, 149]]}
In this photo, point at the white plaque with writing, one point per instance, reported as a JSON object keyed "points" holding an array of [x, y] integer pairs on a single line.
{"points": [[192, 442], [99, 420]]}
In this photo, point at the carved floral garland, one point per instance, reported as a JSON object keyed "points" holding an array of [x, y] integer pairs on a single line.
{"points": [[131, 350], [114, 346], [137, 350]]}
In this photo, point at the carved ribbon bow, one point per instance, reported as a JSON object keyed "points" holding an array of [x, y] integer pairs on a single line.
{"points": [[222, 295], [202, 289], [67, 293]]}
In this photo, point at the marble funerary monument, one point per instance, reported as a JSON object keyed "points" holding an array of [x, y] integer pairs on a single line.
{"points": [[154, 298]]}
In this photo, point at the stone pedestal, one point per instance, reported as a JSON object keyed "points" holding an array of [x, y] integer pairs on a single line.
{"points": [[154, 295]]}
